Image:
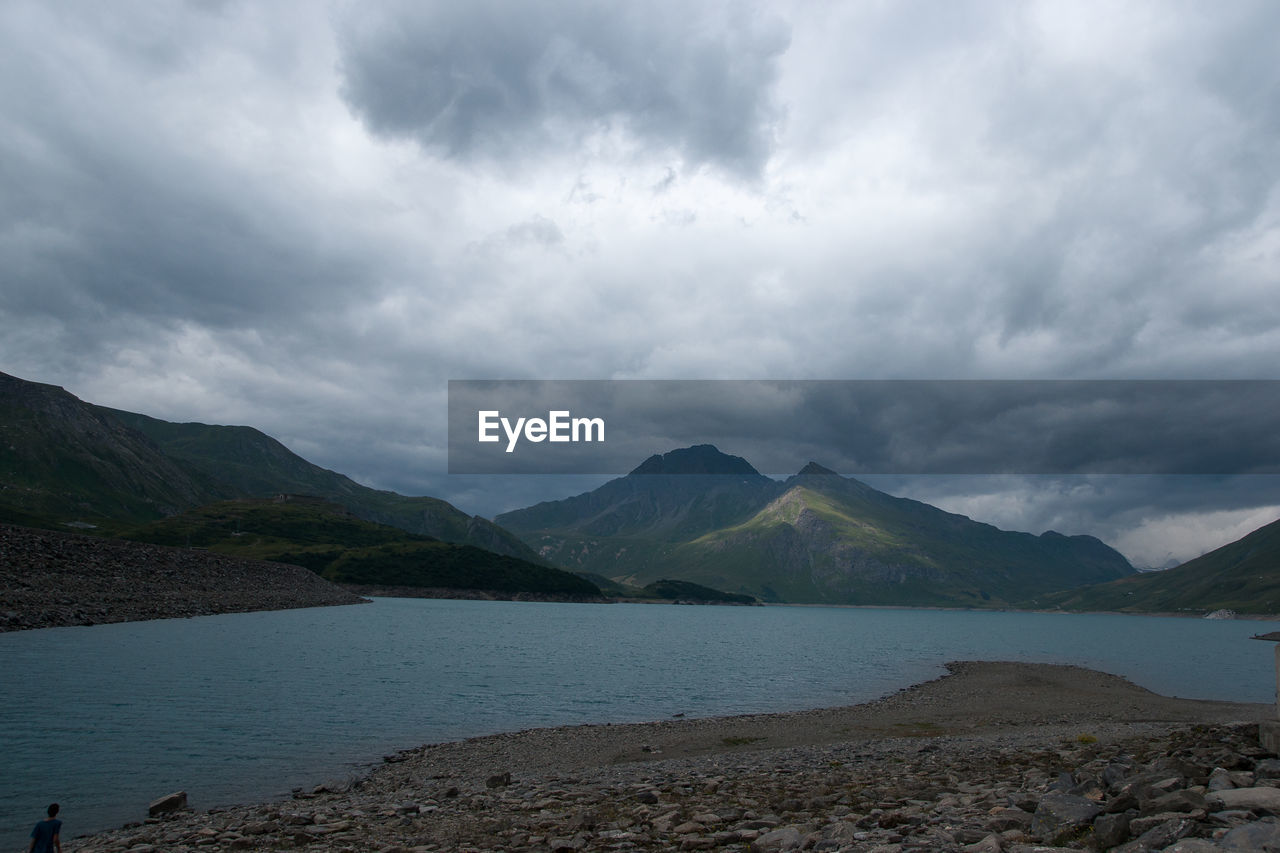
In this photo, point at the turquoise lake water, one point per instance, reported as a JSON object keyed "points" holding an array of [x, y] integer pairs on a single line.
{"points": [[245, 707]]}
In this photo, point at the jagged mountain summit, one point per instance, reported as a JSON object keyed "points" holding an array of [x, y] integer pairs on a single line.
{"points": [[703, 516]]}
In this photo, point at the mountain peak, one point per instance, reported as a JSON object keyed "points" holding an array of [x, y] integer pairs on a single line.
{"points": [[814, 469], [699, 459]]}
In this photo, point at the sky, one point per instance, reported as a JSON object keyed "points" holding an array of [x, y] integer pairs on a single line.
{"points": [[309, 217]]}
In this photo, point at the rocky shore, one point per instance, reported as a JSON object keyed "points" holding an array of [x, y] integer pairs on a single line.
{"points": [[993, 757], [49, 578]]}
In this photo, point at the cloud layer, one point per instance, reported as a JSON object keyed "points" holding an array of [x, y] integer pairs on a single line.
{"points": [[309, 217]]}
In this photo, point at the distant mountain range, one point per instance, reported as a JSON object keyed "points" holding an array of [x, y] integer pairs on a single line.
{"points": [[701, 515], [1243, 576], [693, 516]]}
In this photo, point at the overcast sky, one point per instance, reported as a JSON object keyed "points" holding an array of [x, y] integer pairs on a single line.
{"points": [[307, 217]]}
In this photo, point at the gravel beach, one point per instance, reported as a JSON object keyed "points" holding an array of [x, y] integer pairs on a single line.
{"points": [[993, 756]]}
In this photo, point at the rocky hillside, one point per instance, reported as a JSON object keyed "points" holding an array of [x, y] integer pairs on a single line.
{"points": [[49, 579]]}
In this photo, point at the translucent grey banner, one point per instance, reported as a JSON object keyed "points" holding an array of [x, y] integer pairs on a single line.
{"points": [[870, 426]]}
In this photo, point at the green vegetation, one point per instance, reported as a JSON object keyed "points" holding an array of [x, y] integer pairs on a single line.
{"points": [[1243, 576], [674, 590], [62, 462], [249, 463], [334, 543]]}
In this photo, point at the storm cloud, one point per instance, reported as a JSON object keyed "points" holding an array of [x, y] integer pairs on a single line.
{"points": [[309, 217], [519, 80]]}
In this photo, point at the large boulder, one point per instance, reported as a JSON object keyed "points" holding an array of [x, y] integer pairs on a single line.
{"points": [[174, 802], [1262, 800], [1261, 835], [1060, 815]]}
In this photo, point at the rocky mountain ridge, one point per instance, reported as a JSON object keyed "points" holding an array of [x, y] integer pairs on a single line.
{"points": [[706, 517]]}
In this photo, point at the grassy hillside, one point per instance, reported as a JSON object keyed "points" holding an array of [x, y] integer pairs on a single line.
{"points": [[1243, 576], [253, 464], [60, 461], [341, 547]]}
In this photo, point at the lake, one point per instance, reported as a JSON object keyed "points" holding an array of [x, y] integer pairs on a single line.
{"points": [[246, 706]]}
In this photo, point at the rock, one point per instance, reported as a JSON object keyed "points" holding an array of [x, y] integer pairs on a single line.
{"points": [[1192, 845], [1262, 835], [786, 838], [1060, 815], [1064, 783], [1268, 768], [1161, 836], [1111, 829], [1003, 819], [1114, 774], [1220, 780], [990, 844], [174, 802], [1139, 825], [1177, 801], [1264, 800]]}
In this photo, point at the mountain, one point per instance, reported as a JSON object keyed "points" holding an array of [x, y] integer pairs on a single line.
{"points": [[64, 461], [340, 547], [251, 463], [1243, 576], [699, 515], [626, 527]]}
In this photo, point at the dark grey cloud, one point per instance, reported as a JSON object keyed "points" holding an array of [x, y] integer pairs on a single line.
{"points": [[120, 223], [308, 218], [515, 80]]}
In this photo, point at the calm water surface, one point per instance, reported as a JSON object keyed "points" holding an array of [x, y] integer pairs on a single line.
{"points": [[246, 706]]}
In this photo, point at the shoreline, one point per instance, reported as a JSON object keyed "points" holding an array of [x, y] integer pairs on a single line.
{"points": [[1164, 614], [81, 615], [447, 795]]}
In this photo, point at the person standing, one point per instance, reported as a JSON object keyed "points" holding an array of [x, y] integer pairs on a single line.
{"points": [[44, 838]]}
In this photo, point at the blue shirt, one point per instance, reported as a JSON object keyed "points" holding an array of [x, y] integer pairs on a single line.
{"points": [[43, 834]]}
